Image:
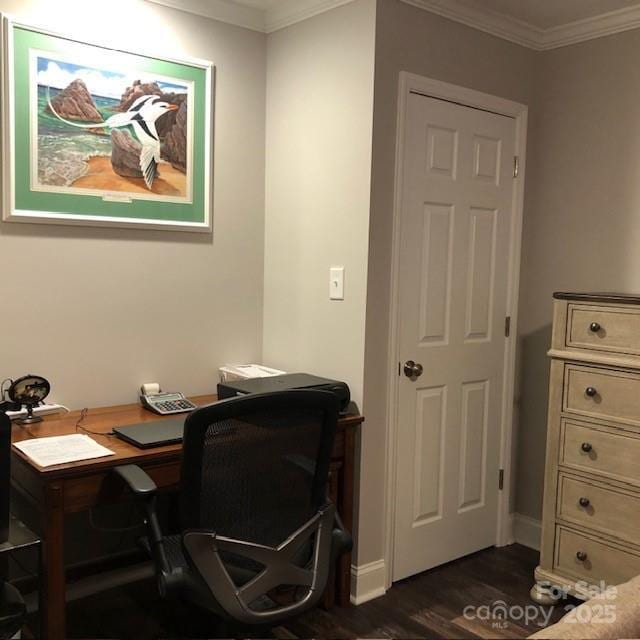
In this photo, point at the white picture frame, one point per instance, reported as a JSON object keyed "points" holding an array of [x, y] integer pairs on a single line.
{"points": [[191, 211]]}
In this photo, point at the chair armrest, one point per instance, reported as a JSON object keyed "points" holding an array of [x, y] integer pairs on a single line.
{"points": [[145, 488], [342, 541], [137, 480]]}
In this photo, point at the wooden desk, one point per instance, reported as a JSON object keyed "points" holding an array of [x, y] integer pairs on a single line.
{"points": [[56, 491]]}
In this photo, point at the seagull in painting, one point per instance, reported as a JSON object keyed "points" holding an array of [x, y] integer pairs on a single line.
{"points": [[142, 116]]}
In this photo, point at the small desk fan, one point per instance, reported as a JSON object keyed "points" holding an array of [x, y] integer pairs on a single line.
{"points": [[29, 391]]}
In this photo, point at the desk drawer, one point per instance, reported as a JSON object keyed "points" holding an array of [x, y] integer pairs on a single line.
{"points": [[601, 450], [602, 393], [613, 329], [599, 507], [600, 560], [104, 487]]}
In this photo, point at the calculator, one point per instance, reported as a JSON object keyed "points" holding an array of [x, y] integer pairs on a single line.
{"points": [[167, 403]]}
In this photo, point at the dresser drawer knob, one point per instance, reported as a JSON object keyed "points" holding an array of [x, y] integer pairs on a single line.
{"points": [[584, 502], [594, 327], [581, 555], [592, 392], [586, 447]]}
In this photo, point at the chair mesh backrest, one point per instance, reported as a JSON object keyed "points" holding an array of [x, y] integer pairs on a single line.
{"points": [[255, 468]]}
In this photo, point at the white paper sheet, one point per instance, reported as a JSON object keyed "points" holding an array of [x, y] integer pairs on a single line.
{"points": [[46, 452], [232, 372]]}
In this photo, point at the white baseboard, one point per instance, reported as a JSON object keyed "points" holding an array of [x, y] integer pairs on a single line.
{"points": [[527, 531], [368, 581]]}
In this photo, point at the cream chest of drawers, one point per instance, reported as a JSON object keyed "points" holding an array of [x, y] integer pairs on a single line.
{"points": [[591, 513]]}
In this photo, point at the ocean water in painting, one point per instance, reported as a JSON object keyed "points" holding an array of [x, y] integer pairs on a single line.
{"points": [[63, 150]]}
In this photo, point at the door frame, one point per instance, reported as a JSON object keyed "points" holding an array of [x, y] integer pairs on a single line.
{"points": [[412, 83]]}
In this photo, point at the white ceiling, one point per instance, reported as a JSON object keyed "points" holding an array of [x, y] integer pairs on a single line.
{"points": [[538, 24], [263, 5], [259, 15]]}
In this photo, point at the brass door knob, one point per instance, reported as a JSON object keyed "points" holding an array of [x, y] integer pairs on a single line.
{"points": [[412, 369]]}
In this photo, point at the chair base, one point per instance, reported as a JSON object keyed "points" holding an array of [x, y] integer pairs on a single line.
{"points": [[13, 611]]}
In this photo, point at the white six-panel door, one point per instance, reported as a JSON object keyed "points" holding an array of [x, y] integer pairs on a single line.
{"points": [[455, 237]]}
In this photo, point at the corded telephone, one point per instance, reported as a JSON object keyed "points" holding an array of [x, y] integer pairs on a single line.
{"points": [[155, 400]]}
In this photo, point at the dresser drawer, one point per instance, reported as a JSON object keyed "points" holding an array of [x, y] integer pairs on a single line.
{"points": [[600, 561], [602, 393], [598, 507], [603, 328], [600, 450]]}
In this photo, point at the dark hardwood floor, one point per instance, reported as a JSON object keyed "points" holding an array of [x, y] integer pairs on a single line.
{"points": [[452, 601]]}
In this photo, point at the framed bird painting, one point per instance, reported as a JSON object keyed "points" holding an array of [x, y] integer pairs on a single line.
{"points": [[97, 136]]}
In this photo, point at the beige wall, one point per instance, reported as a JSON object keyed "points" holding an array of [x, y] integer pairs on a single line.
{"points": [[409, 39], [582, 222], [581, 203], [97, 323], [318, 158], [101, 329]]}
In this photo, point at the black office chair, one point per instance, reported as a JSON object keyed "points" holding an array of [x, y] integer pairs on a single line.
{"points": [[13, 611], [258, 533]]}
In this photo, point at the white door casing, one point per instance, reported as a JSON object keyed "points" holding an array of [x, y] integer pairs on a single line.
{"points": [[455, 285]]}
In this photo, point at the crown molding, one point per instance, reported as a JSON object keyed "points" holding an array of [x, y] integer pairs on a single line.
{"points": [[220, 10], [298, 10], [289, 13], [590, 28], [527, 35], [497, 24]]}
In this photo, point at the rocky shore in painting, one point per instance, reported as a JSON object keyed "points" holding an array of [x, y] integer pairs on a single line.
{"points": [[125, 154], [172, 130], [174, 149], [65, 155], [75, 103]]}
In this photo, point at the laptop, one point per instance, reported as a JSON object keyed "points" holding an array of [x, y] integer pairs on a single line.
{"points": [[157, 433]]}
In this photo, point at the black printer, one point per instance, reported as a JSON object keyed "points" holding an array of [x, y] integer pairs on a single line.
{"points": [[283, 382]]}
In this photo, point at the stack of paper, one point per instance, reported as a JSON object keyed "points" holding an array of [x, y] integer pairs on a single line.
{"points": [[233, 372], [46, 452]]}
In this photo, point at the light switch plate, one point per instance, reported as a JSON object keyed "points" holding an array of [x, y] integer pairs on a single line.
{"points": [[336, 283]]}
